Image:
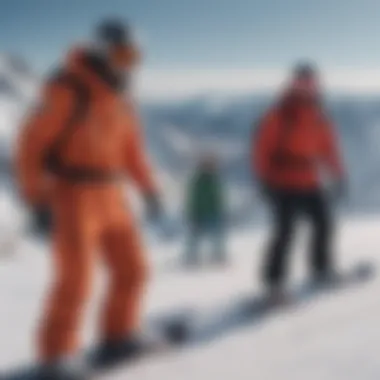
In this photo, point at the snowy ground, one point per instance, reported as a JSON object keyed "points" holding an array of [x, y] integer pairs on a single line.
{"points": [[336, 337]]}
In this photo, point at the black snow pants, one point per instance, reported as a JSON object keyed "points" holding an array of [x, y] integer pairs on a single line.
{"points": [[287, 207]]}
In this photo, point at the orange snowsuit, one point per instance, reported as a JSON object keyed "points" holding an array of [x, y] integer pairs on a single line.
{"points": [[90, 211], [292, 143]]}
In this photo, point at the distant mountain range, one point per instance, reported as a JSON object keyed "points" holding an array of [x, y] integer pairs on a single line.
{"points": [[179, 131]]}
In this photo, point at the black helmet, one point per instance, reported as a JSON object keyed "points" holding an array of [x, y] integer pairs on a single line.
{"points": [[112, 32], [305, 70]]}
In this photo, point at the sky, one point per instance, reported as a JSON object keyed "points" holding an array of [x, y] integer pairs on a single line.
{"points": [[210, 44]]}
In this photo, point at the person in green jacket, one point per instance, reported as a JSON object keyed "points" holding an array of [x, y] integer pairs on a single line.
{"points": [[205, 212]]}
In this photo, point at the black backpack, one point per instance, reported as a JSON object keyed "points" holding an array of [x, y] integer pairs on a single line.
{"points": [[53, 160]]}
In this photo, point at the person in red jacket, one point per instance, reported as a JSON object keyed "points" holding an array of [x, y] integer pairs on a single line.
{"points": [[73, 156], [294, 147]]}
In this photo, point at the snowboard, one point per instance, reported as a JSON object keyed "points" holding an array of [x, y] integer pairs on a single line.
{"points": [[85, 370], [157, 342], [193, 329], [187, 327]]}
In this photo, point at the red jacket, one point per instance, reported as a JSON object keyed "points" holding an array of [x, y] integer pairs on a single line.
{"points": [[292, 145]]}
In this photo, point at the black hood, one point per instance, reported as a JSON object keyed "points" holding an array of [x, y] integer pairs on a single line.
{"points": [[100, 66]]}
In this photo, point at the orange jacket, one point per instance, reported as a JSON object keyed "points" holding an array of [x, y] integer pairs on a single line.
{"points": [[107, 138], [292, 145]]}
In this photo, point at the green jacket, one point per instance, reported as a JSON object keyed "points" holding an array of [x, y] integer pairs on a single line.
{"points": [[205, 201]]}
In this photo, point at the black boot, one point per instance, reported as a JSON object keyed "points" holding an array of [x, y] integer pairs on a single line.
{"points": [[61, 373], [326, 278], [111, 353], [54, 371]]}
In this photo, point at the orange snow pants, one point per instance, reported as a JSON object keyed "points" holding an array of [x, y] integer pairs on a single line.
{"points": [[91, 220]]}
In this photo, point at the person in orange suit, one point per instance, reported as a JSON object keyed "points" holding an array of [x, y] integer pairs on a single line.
{"points": [[74, 153], [295, 141]]}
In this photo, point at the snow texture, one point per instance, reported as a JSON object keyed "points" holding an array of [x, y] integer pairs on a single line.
{"points": [[335, 337]]}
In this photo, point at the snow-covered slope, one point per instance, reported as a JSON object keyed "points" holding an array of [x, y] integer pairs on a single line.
{"points": [[18, 88], [333, 338], [17, 80]]}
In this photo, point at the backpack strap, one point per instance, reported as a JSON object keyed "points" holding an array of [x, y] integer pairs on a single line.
{"points": [[81, 99], [287, 122], [282, 158]]}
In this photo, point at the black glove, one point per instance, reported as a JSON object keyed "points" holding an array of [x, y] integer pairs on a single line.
{"points": [[153, 207], [339, 190], [266, 191], [42, 220]]}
